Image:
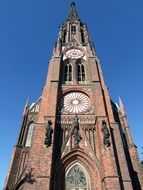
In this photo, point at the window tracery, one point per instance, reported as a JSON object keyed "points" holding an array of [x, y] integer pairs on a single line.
{"points": [[80, 72], [73, 29], [76, 179], [68, 72]]}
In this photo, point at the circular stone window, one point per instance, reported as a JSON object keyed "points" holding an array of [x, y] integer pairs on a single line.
{"points": [[76, 103]]}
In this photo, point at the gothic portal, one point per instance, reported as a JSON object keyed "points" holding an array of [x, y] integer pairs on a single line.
{"points": [[74, 137]]}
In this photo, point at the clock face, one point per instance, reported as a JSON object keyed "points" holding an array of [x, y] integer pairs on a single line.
{"points": [[76, 103], [74, 54]]}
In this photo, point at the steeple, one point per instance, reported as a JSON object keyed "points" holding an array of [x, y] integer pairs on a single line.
{"points": [[73, 31], [121, 102], [122, 107], [26, 106], [73, 13], [73, 129]]}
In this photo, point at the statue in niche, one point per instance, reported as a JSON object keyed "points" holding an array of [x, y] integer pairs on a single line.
{"points": [[106, 134], [75, 122], [49, 131], [75, 132]]}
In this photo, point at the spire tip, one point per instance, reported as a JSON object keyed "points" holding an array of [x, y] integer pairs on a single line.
{"points": [[26, 105], [121, 105], [72, 3], [121, 102], [73, 12]]}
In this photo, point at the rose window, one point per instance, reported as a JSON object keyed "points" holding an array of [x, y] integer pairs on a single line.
{"points": [[76, 103]]}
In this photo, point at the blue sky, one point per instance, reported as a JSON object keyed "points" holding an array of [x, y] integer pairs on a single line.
{"points": [[28, 31]]}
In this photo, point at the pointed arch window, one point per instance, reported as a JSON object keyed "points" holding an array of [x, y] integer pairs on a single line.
{"points": [[68, 73], [29, 135], [64, 36], [76, 178], [82, 36], [73, 29], [80, 72]]}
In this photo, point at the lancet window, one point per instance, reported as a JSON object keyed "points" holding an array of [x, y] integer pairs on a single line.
{"points": [[29, 135], [68, 72], [82, 36], [76, 179], [73, 29], [80, 72], [64, 36]]}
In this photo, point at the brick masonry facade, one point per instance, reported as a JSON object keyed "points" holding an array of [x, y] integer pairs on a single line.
{"points": [[102, 147]]}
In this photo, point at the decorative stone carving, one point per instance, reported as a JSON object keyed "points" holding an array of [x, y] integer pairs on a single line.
{"points": [[83, 120]]}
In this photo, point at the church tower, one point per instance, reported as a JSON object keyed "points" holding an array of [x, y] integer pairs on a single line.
{"points": [[74, 137]]}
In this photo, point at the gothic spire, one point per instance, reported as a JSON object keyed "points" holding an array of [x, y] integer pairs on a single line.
{"points": [[121, 105], [121, 102], [26, 105], [73, 13]]}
